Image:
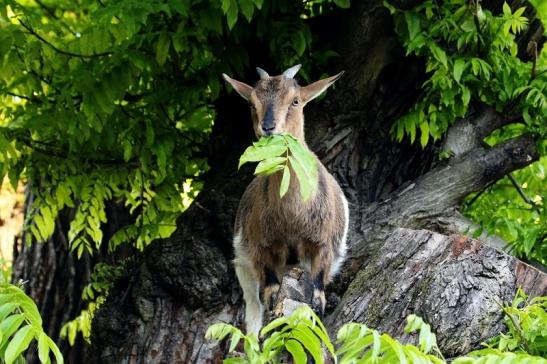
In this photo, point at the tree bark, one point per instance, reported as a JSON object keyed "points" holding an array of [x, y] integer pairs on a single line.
{"points": [[54, 280], [159, 311], [55, 277], [453, 282]]}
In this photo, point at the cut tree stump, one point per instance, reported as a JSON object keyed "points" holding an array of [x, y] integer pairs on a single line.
{"points": [[455, 283]]}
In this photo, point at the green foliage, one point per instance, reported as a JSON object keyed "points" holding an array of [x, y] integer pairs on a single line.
{"points": [[359, 344], [526, 321], [519, 217], [303, 334], [526, 338], [105, 101], [299, 333], [471, 56], [283, 152], [20, 324], [95, 294]]}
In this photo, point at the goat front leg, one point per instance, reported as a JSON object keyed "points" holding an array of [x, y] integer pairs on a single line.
{"points": [[250, 284]]}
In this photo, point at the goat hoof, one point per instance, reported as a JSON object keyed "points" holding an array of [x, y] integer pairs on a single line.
{"points": [[319, 302]]}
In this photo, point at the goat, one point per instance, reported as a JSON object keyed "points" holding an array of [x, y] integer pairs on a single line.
{"points": [[272, 233]]}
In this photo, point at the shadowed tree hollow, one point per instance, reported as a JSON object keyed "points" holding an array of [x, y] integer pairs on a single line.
{"points": [[409, 249]]}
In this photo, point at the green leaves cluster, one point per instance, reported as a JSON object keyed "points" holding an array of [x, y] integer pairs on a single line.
{"points": [[526, 321], [298, 333], [519, 216], [283, 152], [526, 338], [20, 324], [359, 344], [471, 56], [95, 294], [111, 102], [302, 334]]}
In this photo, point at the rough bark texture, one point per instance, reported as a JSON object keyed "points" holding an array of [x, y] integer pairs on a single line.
{"points": [[54, 277], [159, 311], [453, 282], [296, 290], [54, 280]]}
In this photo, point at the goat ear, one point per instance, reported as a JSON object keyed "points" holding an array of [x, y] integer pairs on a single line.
{"points": [[310, 92], [241, 88]]}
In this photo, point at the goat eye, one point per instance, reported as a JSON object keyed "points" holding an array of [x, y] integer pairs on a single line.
{"points": [[295, 102], [251, 106]]}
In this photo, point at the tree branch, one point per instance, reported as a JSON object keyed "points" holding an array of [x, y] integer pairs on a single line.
{"points": [[518, 187], [468, 133], [29, 98], [58, 50], [442, 189]]}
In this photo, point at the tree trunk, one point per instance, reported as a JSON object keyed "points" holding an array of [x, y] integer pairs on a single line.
{"points": [[54, 276], [160, 312]]}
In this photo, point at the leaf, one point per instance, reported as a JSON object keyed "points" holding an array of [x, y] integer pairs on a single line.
{"points": [[424, 134], [162, 48], [413, 23], [270, 165], [439, 55], [43, 348], [232, 14], [344, 4], [305, 179], [247, 8], [235, 340], [56, 352], [285, 181], [19, 343], [459, 67], [6, 309], [257, 154], [297, 352], [306, 337], [11, 324]]}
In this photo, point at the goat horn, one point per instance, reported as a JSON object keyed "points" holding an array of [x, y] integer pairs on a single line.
{"points": [[291, 72], [263, 74]]}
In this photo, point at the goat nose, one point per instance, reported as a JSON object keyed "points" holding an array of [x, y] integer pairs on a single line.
{"points": [[268, 129]]}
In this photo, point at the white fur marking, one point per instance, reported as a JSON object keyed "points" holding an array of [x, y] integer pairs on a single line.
{"points": [[248, 280], [337, 264]]}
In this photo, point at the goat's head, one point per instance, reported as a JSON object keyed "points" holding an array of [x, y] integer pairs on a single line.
{"points": [[277, 102]]}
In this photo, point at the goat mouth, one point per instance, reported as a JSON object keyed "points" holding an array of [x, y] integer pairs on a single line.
{"points": [[267, 133]]}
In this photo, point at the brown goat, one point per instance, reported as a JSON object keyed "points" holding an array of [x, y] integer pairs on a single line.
{"points": [[272, 233]]}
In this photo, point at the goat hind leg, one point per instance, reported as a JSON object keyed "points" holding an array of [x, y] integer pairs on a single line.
{"points": [[271, 287], [319, 301]]}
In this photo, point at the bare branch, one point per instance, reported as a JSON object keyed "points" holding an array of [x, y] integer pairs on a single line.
{"points": [[518, 187], [29, 98], [58, 50], [441, 189], [468, 133]]}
